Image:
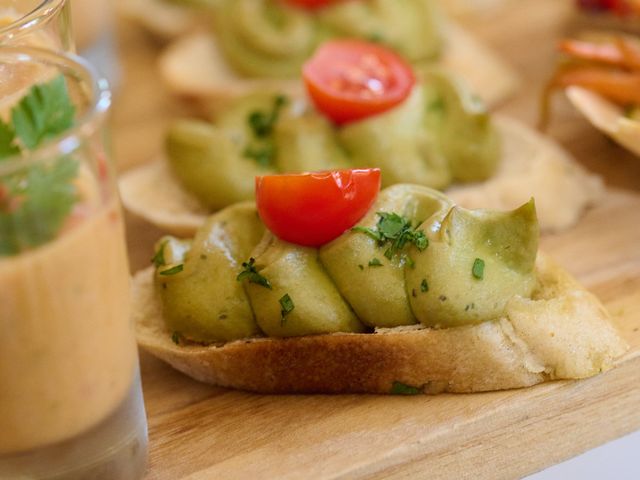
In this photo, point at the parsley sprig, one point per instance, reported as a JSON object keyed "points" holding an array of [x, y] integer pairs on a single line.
{"points": [[35, 201], [395, 232], [262, 124], [250, 273]]}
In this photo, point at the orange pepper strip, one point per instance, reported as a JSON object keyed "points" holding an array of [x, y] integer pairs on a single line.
{"points": [[622, 88], [621, 52]]}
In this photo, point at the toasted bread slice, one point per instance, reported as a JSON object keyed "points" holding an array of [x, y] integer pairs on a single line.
{"points": [[562, 332], [607, 117], [532, 166], [159, 17], [194, 66]]}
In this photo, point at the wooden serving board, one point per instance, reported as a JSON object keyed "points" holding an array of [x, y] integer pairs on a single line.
{"points": [[202, 432]]}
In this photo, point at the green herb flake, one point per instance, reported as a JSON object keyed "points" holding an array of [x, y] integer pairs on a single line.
{"points": [[361, 267], [399, 388], [374, 262], [250, 273], [262, 155], [287, 306], [395, 232], [158, 259], [261, 122], [424, 286], [436, 106], [478, 268], [173, 270], [175, 337]]}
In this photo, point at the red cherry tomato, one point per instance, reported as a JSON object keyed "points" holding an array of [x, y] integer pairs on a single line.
{"points": [[312, 209], [349, 79], [311, 4]]}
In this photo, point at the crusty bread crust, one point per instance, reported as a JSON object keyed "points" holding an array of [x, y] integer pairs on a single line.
{"points": [[607, 117], [163, 19], [531, 166], [194, 66], [563, 332]]}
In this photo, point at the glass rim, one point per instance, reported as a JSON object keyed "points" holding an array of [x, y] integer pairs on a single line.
{"points": [[85, 125], [32, 20]]}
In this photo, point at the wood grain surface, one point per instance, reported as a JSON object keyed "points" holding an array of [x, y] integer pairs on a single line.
{"points": [[202, 432]]}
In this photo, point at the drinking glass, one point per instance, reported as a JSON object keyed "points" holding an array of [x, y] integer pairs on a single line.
{"points": [[37, 23], [70, 396]]}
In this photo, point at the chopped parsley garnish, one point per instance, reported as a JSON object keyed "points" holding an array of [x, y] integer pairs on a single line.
{"points": [[374, 262], [35, 201], [251, 273], [424, 286], [437, 105], [158, 259], [478, 268], [262, 155], [287, 306], [396, 232], [172, 270], [175, 337], [399, 388], [262, 123]]}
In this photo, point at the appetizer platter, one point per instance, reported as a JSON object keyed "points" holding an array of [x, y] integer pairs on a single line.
{"points": [[203, 431], [226, 47]]}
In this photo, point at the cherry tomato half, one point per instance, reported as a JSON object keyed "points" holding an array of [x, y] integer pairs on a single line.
{"points": [[311, 4], [350, 79], [312, 209]]}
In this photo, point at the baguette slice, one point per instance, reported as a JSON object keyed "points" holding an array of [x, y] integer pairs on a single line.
{"points": [[194, 66], [159, 17], [531, 165], [607, 117], [563, 332]]}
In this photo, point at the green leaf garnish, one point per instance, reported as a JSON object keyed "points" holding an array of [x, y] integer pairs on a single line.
{"points": [[44, 112], [399, 388], [38, 200], [262, 155], [8, 147], [397, 232], [172, 270], [251, 273], [35, 201], [374, 262], [287, 306], [262, 123], [175, 337], [424, 286], [478, 268], [158, 259]]}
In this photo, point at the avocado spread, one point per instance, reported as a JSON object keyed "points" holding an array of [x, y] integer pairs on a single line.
{"points": [[269, 38], [415, 258], [439, 135]]}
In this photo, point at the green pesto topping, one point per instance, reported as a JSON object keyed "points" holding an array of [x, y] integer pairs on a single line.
{"points": [[478, 268], [399, 388], [396, 232], [172, 270], [251, 273]]}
